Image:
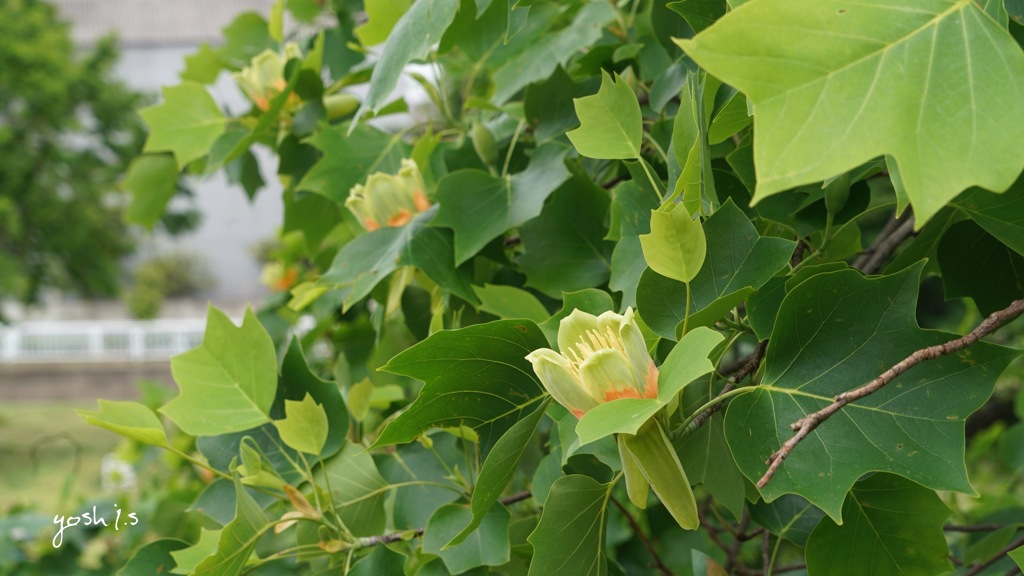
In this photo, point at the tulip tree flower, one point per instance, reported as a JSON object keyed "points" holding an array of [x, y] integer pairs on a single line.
{"points": [[389, 200], [264, 79], [604, 359]]}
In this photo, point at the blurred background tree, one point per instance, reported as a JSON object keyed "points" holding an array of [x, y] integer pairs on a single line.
{"points": [[68, 130]]}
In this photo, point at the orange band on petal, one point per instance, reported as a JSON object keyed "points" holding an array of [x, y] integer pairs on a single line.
{"points": [[420, 200], [651, 385], [619, 393], [399, 219], [370, 224]]}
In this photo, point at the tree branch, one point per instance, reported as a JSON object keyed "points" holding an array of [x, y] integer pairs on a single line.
{"points": [[892, 235], [643, 538], [978, 568], [804, 426]]}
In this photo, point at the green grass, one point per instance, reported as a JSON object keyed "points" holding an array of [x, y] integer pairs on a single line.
{"points": [[38, 447]]}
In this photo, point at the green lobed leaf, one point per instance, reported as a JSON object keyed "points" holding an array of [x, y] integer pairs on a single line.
{"points": [[246, 36], [476, 376], [153, 558], [837, 331], [362, 263], [203, 65], [238, 539], [590, 300], [348, 158], [488, 545], [497, 470], [706, 459], [687, 362], [690, 144], [297, 380], [381, 17], [562, 258], [699, 14], [738, 261], [977, 266], [611, 127], [790, 517], [186, 123], [1001, 215], [186, 559], [1017, 555], [548, 105], [676, 246], [152, 180], [304, 427], [129, 419], [228, 383], [891, 526], [358, 491], [221, 450], [831, 89], [380, 561], [414, 504], [508, 302], [480, 207], [569, 539], [550, 50], [415, 32]]}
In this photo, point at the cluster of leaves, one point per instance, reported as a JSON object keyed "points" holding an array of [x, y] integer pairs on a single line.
{"points": [[776, 179]]}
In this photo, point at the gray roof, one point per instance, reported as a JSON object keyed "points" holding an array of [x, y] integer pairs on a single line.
{"points": [[154, 22]]}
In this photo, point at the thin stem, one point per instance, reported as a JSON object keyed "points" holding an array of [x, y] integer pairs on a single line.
{"points": [[656, 146], [650, 177], [199, 463], [686, 312], [512, 146], [711, 404], [643, 538]]}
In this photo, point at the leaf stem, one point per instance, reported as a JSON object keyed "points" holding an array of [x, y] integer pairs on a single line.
{"points": [[657, 147], [512, 146], [685, 430], [686, 312], [647, 171]]}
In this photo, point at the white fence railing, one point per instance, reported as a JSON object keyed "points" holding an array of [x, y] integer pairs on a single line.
{"points": [[101, 341]]}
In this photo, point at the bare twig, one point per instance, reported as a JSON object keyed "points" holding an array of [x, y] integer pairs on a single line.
{"points": [[643, 538], [733, 559], [750, 366], [766, 552], [974, 528], [804, 426], [978, 568], [891, 236]]}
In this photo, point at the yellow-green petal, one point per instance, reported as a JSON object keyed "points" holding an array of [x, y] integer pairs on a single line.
{"points": [[553, 370], [573, 328], [606, 375]]}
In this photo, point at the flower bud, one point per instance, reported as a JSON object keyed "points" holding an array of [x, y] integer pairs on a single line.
{"points": [[603, 358], [389, 200]]}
